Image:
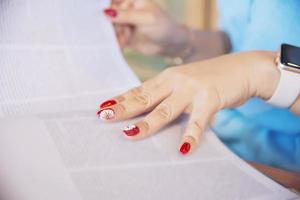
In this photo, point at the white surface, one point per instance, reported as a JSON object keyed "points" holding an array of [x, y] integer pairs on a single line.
{"points": [[96, 160], [57, 55], [30, 166], [59, 58]]}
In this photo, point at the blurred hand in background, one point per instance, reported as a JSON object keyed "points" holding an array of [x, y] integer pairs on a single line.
{"points": [[143, 26]]}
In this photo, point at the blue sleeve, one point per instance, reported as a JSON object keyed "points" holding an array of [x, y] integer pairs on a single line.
{"points": [[257, 131], [256, 143], [270, 23]]}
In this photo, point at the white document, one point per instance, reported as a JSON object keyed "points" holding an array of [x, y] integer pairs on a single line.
{"points": [[75, 156], [58, 61], [57, 55]]}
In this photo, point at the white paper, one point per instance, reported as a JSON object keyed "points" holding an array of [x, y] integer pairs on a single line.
{"points": [[102, 164], [30, 166], [56, 56], [58, 60]]}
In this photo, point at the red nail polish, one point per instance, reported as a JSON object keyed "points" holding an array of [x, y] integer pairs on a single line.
{"points": [[185, 148], [108, 103], [131, 130], [110, 12], [106, 114]]}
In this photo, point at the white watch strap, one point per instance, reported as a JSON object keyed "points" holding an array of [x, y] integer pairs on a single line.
{"points": [[287, 90]]}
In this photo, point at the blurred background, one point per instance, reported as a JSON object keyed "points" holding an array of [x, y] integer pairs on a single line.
{"points": [[200, 14]]}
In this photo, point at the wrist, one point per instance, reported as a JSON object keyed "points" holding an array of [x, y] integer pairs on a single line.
{"points": [[267, 76], [265, 73]]}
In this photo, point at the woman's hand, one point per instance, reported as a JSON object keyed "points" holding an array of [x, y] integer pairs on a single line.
{"points": [[145, 27], [203, 88]]}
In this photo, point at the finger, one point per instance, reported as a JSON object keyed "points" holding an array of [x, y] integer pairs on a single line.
{"points": [[144, 46], [150, 84], [124, 34], [122, 3], [163, 114], [204, 107], [126, 4], [135, 101], [129, 16], [116, 2]]}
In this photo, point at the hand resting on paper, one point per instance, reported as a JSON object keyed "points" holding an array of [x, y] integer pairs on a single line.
{"points": [[200, 88]]}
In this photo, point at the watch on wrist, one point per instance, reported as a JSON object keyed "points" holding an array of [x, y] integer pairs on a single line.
{"points": [[288, 88]]}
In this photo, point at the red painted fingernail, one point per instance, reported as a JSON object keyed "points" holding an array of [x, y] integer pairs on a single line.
{"points": [[185, 148], [106, 114], [108, 103], [131, 130], [110, 12]]}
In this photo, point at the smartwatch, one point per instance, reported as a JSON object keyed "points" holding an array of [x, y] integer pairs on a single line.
{"points": [[288, 88]]}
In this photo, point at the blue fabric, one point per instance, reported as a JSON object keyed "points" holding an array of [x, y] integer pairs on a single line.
{"points": [[257, 131]]}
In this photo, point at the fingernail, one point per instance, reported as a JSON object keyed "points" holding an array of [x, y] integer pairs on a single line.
{"points": [[110, 12], [106, 114], [185, 148], [131, 130], [108, 103]]}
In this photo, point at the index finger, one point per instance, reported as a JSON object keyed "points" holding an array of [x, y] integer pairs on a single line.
{"points": [[135, 101]]}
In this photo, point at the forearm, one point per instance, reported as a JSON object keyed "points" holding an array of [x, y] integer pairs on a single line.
{"points": [[193, 45]]}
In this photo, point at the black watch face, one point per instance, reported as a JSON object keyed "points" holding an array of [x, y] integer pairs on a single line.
{"points": [[290, 56]]}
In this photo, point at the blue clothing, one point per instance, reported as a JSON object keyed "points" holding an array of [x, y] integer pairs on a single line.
{"points": [[257, 131]]}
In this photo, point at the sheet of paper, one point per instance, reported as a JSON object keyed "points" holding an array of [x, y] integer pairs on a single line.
{"points": [[57, 55], [102, 164], [58, 60]]}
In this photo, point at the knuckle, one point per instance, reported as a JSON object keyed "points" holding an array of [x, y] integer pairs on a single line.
{"points": [[135, 91], [164, 112], [176, 76], [157, 83], [120, 108], [209, 95], [215, 97], [205, 93], [143, 98], [198, 125], [144, 126], [119, 98], [130, 16]]}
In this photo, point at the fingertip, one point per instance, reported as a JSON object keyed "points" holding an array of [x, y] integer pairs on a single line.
{"points": [[136, 131], [110, 114], [185, 148], [187, 145], [107, 103], [131, 130], [110, 12], [106, 114]]}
